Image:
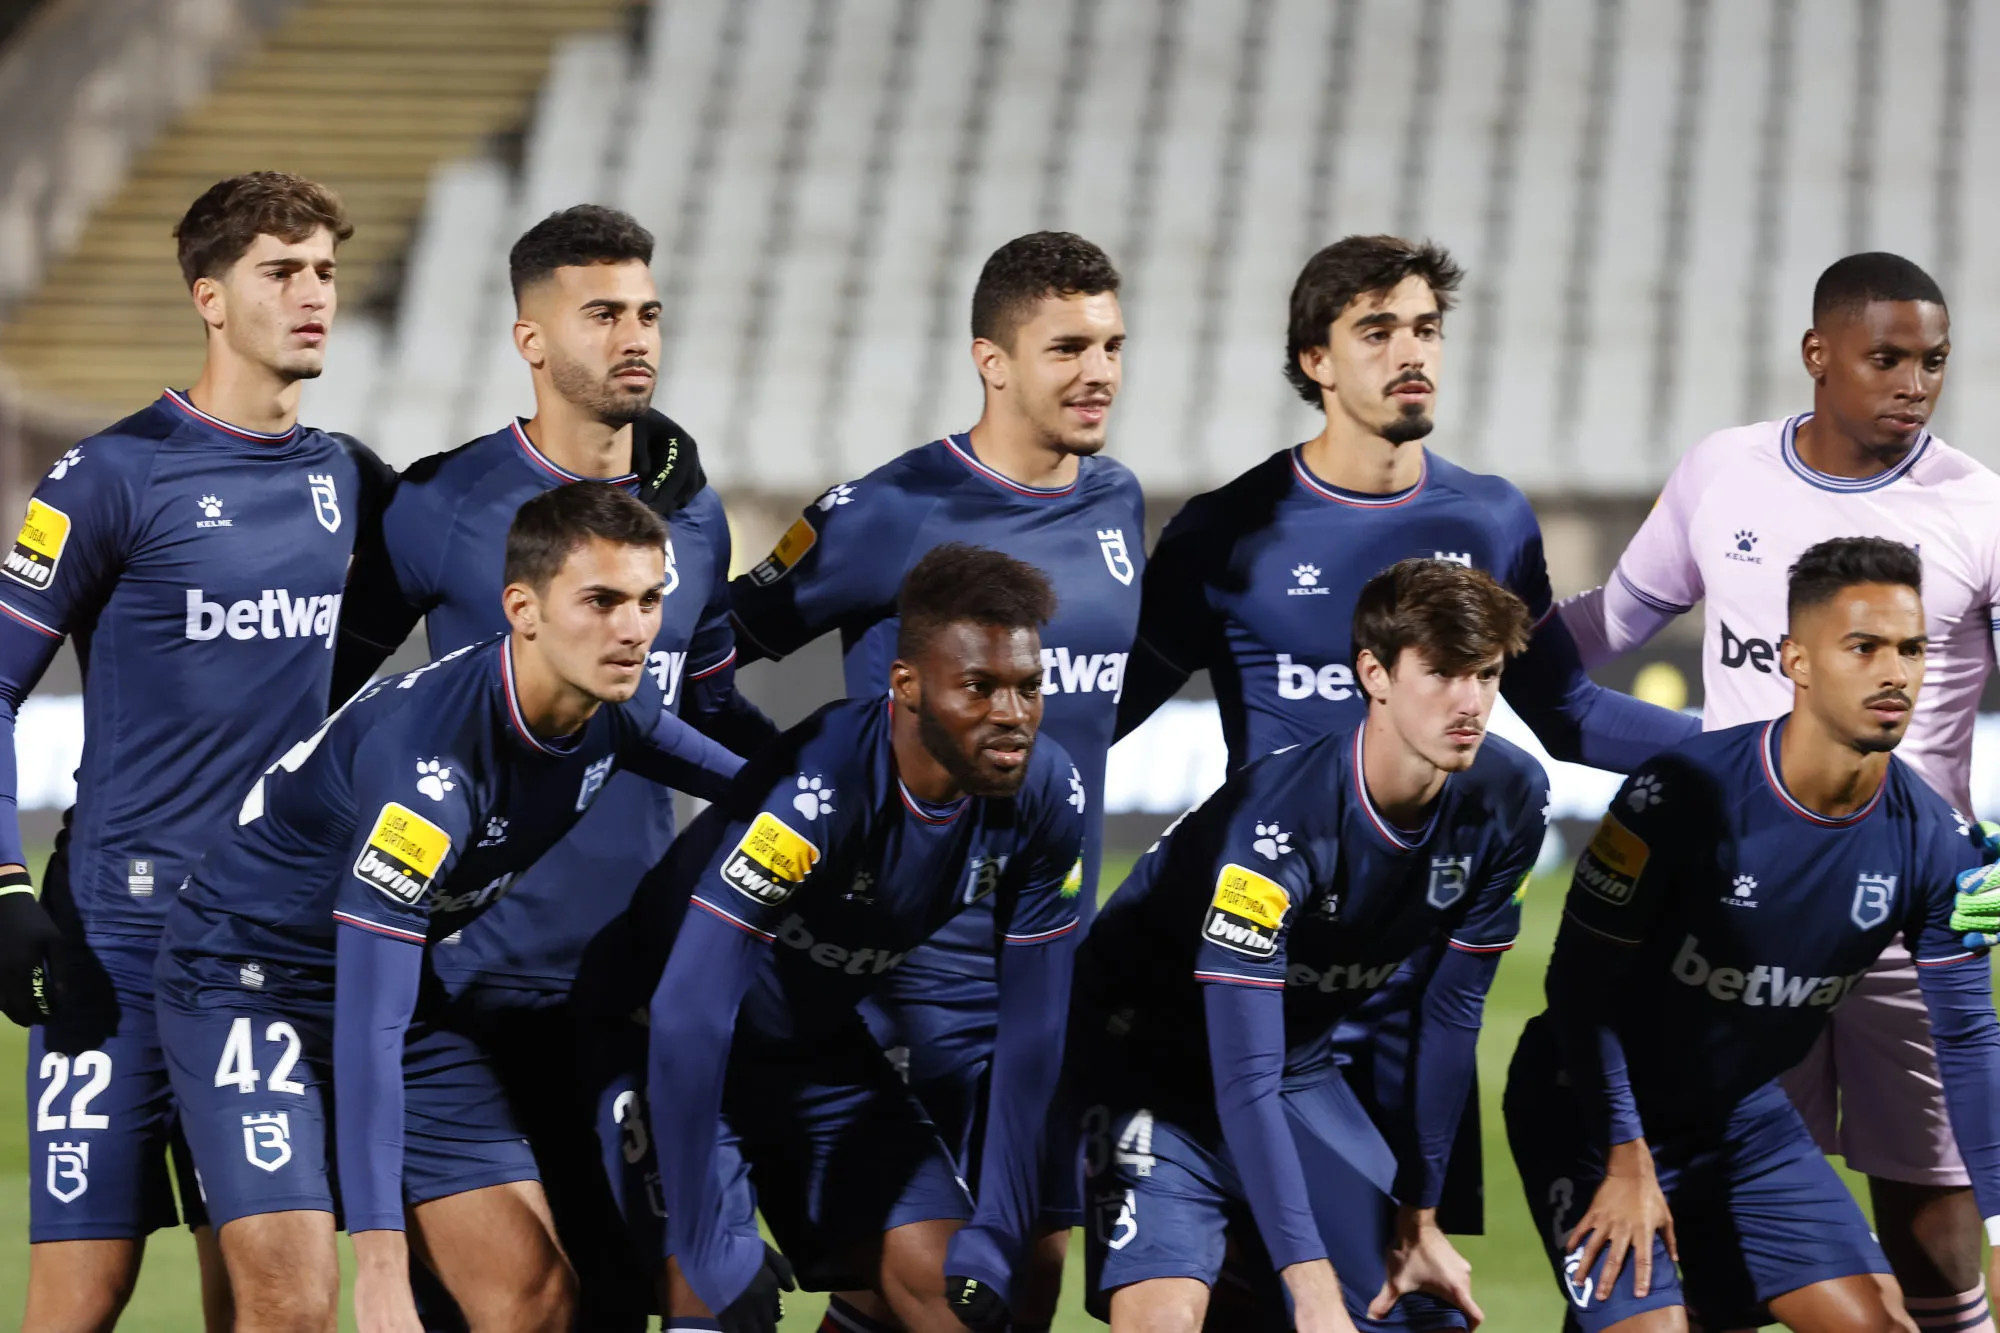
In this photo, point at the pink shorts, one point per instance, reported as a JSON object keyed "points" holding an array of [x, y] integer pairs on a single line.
{"points": [[1869, 1091]]}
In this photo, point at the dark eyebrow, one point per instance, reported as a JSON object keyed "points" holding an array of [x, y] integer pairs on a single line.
{"points": [[1387, 318]]}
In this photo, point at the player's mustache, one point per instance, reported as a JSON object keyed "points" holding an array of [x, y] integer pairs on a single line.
{"points": [[1024, 738], [636, 363], [1409, 377], [1888, 697]]}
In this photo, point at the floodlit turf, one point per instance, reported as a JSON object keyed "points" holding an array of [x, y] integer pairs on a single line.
{"points": [[1510, 1276]]}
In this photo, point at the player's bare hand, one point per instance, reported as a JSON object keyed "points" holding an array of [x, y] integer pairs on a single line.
{"points": [[1423, 1259], [1628, 1210], [1316, 1303], [382, 1300]]}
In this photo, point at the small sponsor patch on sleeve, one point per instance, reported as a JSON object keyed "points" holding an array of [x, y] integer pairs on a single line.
{"points": [[402, 854], [770, 862], [791, 548], [1072, 883], [1246, 912], [39, 546], [1610, 867]]}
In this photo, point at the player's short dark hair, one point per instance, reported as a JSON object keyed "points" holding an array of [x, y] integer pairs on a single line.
{"points": [[220, 227], [956, 583], [1455, 616], [1022, 273], [553, 524], [1825, 569], [579, 235], [1875, 275], [1356, 266]]}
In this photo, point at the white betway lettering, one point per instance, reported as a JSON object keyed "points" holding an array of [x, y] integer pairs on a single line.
{"points": [[854, 962], [1064, 672], [1759, 986], [1340, 976], [1299, 681], [276, 614]]}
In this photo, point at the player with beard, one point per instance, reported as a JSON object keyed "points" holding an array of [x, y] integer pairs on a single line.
{"points": [[1257, 582], [840, 849], [1028, 479], [196, 551], [587, 325], [1737, 511]]}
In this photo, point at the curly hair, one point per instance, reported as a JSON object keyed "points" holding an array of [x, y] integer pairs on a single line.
{"points": [[579, 235], [1021, 273], [957, 583]]}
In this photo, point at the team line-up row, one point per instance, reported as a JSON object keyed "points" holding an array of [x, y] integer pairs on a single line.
{"points": [[436, 968]]}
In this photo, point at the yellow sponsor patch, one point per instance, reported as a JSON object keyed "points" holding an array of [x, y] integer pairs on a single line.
{"points": [[1521, 889], [1246, 912], [791, 548], [1610, 867], [770, 861], [1073, 882], [39, 547], [402, 854]]}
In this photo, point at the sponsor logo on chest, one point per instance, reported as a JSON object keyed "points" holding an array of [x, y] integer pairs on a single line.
{"points": [[1759, 986], [277, 613], [1064, 672]]}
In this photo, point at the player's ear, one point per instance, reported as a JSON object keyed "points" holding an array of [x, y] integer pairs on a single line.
{"points": [[990, 360], [1792, 661], [1812, 351], [1317, 363], [209, 302], [528, 342], [523, 609], [1374, 677], [904, 686]]}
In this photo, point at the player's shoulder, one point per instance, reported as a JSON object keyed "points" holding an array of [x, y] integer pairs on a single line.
{"points": [[1493, 497], [1102, 475], [832, 741], [1963, 477], [1730, 451], [124, 449], [1245, 501], [1053, 775], [457, 469], [1705, 771], [423, 706], [1910, 798], [1504, 766]]}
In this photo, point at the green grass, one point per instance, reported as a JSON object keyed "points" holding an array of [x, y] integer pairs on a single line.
{"points": [[1510, 1275]]}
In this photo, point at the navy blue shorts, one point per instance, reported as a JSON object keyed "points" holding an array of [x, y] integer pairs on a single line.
{"points": [[940, 1026], [828, 1143], [253, 1077], [1757, 1209], [101, 1119], [1164, 1200]]}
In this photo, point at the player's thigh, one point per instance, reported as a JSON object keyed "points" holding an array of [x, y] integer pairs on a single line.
{"points": [[1837, 1305], [495, 1250], [1790, 1220], [460, 1132], [284, 1270], [910, 1273], [79, 1284], [100, 1110], [1893, 1121], [1160, 1305], [1159, 1201], [253, 1089]]}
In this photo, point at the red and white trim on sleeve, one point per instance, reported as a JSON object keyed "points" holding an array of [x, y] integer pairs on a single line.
{"points": [[1238, 979], [29, 621], [377, 928], [1043, 936], [1947, 961], [1466, 946], [736, 921], [708, 671]]}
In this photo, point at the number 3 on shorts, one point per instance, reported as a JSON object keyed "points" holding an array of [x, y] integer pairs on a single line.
{"points": [[239, 1066]]}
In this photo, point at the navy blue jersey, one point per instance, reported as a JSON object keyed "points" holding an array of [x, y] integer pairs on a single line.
{"points": [[199, 568], [444, 542], [840, 566], [1256, 583], [1738, 918], [407, 814], [1288, 878]]}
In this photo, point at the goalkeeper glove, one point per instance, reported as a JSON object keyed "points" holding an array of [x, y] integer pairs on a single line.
{"points": [[1976, 913], [977, 1305], [29, 945], [760, 1306]]}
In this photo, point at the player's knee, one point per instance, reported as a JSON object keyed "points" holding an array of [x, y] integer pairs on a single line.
{"points": [[78, 1286], [541, 1299], [1169, 1305]]}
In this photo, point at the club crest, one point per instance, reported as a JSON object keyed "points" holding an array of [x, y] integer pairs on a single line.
{"points": [[1116, 558]]}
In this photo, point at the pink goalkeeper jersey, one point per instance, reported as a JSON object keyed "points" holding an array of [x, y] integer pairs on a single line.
{"points": [[1742, 506]]}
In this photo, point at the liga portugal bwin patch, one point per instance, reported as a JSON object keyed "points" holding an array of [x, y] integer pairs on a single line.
{"points": [[39, 546], [402, 854], [770, 861], [1246, 912]]}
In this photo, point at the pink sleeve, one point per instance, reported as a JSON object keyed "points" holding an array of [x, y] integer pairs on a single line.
{"points": [[1658, 568], [1608, 621]]}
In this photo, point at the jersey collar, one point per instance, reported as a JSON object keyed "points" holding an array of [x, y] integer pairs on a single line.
{"points": [[1769, 748], [928, 812], [1356, 499], [1395, 837], [1826, 481], [517, 718], [960, 447], [542, 461], [181, 400]]}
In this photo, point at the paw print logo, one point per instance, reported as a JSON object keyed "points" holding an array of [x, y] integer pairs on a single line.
{"points": [[496, 832], [211, 506], [1744, 886], [1746, 540], [64, 464], [1645, 793], [814, 798], [1272, 842], [434, 779], [1076, 795], [1307, 575], [839, 495]]}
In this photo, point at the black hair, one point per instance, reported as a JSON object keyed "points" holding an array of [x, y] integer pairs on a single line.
{"points": [[580, 235], [1021, 273], [1827, 568], [956, 582], [551, 525], [1455, 616], [1356, 266], [1876, 275], [220, 227]]}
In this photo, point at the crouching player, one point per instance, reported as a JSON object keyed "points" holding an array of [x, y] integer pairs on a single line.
{"points": [[1211, 979], [294, 956], [1740, 885], [844, 845]]}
